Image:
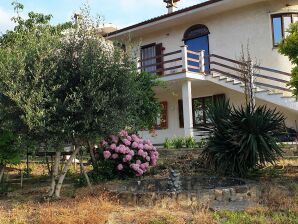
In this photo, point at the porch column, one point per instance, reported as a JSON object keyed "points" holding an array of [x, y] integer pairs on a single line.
{"points": [[187, 108]]}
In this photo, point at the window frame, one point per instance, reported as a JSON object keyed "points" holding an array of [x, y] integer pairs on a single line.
{"points": [[281, 15], [158, 58], [203, 98]]}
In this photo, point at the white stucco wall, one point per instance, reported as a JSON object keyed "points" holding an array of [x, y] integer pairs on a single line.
{"points": [[172, 93], [231, 29], [228, 31]]}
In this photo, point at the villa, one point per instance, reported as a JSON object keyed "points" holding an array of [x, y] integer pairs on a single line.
{"points": [[196, 50]]}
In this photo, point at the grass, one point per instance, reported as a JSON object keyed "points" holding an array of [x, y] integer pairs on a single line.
{"points": [[279, 203], [96, 207]]}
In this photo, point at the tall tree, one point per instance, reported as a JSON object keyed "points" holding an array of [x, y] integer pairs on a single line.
{"points": [[289, 47], [73, 86]]}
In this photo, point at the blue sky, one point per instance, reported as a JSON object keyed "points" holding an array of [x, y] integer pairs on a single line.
{"points": [[119, 12]]}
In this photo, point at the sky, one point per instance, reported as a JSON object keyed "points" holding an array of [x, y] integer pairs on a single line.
{"points": [[121, 13]]}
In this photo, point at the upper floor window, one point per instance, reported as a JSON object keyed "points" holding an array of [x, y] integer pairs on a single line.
{"points": [[195, 31], [151, 58], [280, 25]]}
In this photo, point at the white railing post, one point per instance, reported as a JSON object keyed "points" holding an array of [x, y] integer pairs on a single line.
{"points": [[184, 58], [202, 61]]}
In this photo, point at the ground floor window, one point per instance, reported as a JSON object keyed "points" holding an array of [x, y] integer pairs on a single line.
{"points": [[199, 110]]}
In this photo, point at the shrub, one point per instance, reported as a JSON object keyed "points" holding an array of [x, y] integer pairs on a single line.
{"points": [[202, 144], [168, 144], [126, 155], [178, 142], [242, 138], [190, 142]]}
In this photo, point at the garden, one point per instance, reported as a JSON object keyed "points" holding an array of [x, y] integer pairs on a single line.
{"points": [[71, 106]]}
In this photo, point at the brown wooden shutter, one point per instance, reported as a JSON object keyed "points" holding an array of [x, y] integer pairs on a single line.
{"points": [[181, 117], [159, 59], [164, 115]]}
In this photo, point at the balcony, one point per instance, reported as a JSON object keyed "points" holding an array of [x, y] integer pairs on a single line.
{"points": [[185, 63]]}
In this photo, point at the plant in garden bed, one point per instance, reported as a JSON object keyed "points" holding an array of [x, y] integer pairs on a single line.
{"points": [[126, 155], [242, 138]]}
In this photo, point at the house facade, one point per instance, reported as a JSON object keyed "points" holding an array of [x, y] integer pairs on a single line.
{"points": [[197, 50]]}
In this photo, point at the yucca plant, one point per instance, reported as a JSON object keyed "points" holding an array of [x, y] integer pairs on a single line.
{"points": [[242, 138]]}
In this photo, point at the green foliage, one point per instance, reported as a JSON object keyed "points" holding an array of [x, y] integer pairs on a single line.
{"points": [[202, 144], [9, 153], [182, 142], [178, 142], [74, 85], [289, 47], [190, 142], [168, 144], [242, 138]]}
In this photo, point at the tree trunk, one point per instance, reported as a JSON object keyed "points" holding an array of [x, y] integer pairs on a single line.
{"points": [[2, 168], [84, 172], [64, 172], [93, 160], [55, 173]]}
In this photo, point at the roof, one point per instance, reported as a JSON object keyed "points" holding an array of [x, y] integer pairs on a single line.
{"points": [[203, 4]]}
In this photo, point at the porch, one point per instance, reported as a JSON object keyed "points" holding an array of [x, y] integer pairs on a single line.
{"points": [[184, 112]]}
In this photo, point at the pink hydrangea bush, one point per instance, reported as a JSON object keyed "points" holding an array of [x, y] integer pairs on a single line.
{"points": [[129, 154]]}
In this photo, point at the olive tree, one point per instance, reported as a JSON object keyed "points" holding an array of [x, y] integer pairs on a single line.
{"points": [[73, 86]]}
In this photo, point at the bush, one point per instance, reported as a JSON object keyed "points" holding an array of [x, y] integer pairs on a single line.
{"points": [[190, 142], [168, 144], [126, 155], [178, 142], [242, 138], [182, 142]]}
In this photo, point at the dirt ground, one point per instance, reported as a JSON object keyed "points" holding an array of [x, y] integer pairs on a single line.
{"points": [[82, 205]]}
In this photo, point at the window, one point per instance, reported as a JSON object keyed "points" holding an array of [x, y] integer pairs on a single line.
{"points": [[195, 31], [162, 120], [280, 25], [151, 58], [199, 110]]}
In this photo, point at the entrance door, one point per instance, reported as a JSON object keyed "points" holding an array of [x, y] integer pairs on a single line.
{"points": [[197, 39], [198, 44]]}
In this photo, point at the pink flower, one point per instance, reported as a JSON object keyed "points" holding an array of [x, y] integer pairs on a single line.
{"points": [[148, 158], [115, 156], [135, 138], [128, 157], [140, 172], [140, 152], [129, 138], [123, 133], [106, 154], [138, 162], [143, 166], [126, 142], [120, 167], [135, 145], [114, 138], [113, 146], [104, 143], [141, 146], [131, 152]]}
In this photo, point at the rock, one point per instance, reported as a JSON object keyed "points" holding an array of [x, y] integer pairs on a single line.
{"points": [[218, 195]]}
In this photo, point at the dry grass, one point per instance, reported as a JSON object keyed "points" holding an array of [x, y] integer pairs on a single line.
{"points": [[98, 209]]}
